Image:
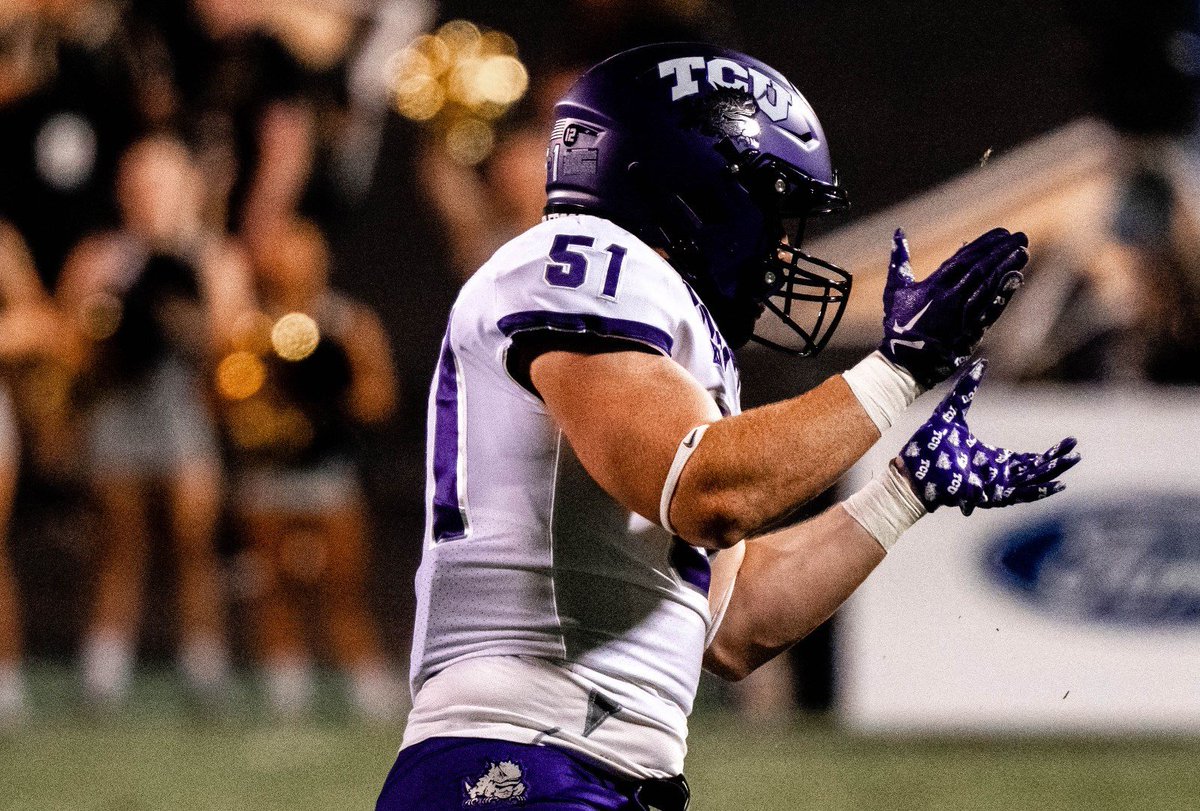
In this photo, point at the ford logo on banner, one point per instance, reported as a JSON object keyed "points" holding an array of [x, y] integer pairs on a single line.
{"points": [[1129, 562]]}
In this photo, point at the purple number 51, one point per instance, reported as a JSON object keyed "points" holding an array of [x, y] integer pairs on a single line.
{"points": [[568, 267]]}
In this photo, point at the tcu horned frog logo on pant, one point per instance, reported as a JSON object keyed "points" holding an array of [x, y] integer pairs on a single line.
{"points": [[502, 781]]}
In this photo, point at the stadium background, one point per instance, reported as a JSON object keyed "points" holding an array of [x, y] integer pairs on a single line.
{"points": [[911, 96]]}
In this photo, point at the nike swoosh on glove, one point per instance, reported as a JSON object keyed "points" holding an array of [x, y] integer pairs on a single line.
{"points": [[948, 466], [931, 327]]}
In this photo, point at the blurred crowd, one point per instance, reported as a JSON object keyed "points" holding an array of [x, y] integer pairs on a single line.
{"points": [[172, 345], [1116, 298], [180, 380]]}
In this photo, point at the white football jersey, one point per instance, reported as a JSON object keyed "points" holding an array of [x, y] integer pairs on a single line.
{"points": [[546, 611]]}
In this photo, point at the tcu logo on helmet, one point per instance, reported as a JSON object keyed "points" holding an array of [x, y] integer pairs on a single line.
{"points": [[772, 99]]}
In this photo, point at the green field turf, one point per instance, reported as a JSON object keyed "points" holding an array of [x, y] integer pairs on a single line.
{"points": [[152, 757]]}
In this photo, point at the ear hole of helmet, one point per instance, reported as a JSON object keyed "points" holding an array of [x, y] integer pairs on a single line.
{"points": [[792, 230]]}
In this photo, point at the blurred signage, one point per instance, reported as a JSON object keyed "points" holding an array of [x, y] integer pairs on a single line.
{"points": [[1135, 561], [1079, 613]]}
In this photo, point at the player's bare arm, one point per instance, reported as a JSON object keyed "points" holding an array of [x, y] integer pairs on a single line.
{"points": [[784, 584], [625, 413]]}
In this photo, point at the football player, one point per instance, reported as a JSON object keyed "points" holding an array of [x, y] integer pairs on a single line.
{"points": [[587, 387]]}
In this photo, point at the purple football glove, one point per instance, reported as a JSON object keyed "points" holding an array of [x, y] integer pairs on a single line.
{"points": [[931, 327], [947, 466]]}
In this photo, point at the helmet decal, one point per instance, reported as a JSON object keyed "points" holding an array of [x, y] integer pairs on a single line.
{"points": [[720, 72], [725, 113]]}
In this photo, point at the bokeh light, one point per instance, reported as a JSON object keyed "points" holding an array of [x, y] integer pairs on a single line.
{"points": [[251, 424], [295, 336], [240, 375], [502, 79], [420, 97], [457, 80], [470, 141], [462, 37], [497, 42], [258, 422], [292, 429]]}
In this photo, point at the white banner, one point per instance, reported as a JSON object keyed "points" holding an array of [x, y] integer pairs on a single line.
{"points": [[1080, 612]]}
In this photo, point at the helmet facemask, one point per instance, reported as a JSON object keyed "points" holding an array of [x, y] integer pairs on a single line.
{"points": [[807, 294]]}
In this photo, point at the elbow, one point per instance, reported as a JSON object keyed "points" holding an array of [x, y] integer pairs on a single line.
{"points": [[710, 520], [725, 535], [726, 664]]}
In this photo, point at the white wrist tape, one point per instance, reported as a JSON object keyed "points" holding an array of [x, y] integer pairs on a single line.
{"points": [[886, 507], [883, 388], [687, 447]]}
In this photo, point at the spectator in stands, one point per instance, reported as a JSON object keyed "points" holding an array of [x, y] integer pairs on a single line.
{"points": [[72, 99], [506, 197], [1120, 303], [507, 191], [242, 99], [145, 299], [30, 332], [313, 368]]}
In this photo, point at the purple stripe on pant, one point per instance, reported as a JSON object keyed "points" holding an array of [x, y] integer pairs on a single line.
{"points": [[450, 774]]}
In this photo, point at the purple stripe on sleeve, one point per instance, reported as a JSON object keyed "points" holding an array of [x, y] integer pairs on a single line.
{"points": [[692, 564], [581, 322], [449, 516]]}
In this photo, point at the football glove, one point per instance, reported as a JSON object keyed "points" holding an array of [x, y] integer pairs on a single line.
{"points": [[948, 466], [931, 327]]}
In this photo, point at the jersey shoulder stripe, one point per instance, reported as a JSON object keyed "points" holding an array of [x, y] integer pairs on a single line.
{"points": [[600, 325]]}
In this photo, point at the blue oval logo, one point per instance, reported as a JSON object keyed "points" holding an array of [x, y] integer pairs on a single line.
{"points": [[1134, 562]]}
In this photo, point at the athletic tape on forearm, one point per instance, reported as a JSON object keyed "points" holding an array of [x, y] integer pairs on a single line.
{"points": [[886, 507], [883, 388], [687, 447]]}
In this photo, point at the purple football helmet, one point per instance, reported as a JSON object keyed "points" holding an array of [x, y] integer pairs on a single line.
{"points": [[716, 159]]}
